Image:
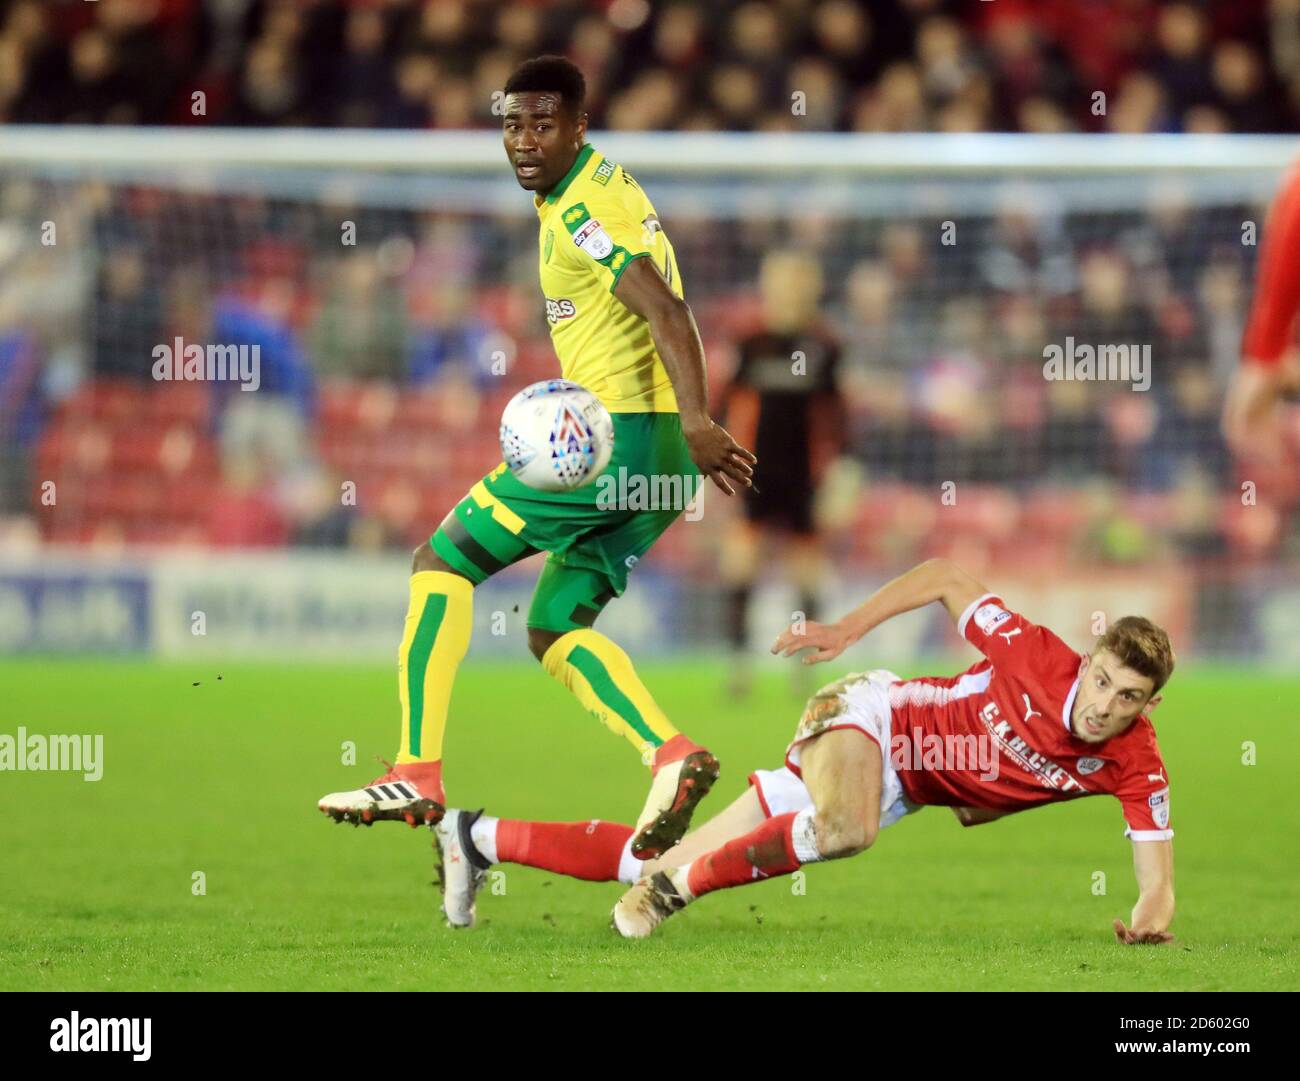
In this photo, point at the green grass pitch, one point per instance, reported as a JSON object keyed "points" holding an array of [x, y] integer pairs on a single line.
{"points": [[222, 778]]}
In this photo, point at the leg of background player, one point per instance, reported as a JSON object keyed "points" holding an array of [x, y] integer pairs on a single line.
{"points": [[807, 570], [742, 548], [806, 565], [843, 771]]}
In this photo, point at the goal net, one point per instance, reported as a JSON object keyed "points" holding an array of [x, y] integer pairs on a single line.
{"points": [[1036, 335]]}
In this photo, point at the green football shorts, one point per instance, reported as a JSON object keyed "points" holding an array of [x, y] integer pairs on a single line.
{"points": [[594, 534]]}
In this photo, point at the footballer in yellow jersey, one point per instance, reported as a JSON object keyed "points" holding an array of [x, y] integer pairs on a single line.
{"points": [[621, 328]]}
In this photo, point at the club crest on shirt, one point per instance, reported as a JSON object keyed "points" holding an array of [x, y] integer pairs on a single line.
{"points": [[988, 617], [1090, 765]]}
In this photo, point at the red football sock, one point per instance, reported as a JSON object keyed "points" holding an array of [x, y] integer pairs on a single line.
{"points": [[587, 850], [765, 852], [674, 750]]}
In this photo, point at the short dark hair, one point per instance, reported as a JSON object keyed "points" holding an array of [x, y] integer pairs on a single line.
{"points": [[1142, 646], [551, 73]]}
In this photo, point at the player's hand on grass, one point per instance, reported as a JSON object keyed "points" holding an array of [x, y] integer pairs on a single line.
{"points": [[719, 456], [1134, 936], [827, 640]]}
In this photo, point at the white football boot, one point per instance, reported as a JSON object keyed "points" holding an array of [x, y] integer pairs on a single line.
{"points": [[651, 901], [463, 871], [394, 797], [674, 794]]}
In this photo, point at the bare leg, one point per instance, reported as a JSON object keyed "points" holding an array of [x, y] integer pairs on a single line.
{"points": [[844, 773], [737, 819], [843, 770]]}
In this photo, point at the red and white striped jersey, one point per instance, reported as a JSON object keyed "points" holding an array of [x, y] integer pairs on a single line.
{"points": [[998, 735]]}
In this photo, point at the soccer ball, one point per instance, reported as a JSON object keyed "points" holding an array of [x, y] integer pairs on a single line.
{"points": [[556, 435]]}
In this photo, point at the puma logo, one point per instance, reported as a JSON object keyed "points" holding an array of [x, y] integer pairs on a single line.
{"points": [[1029, 709], [1008, 635]]}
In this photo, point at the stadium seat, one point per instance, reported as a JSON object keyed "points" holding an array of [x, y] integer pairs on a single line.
{"points": [[180, 403]]}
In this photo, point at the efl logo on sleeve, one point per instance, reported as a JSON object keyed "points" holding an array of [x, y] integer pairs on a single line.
{"points": [[1159, 804], [592, 239], [989, 617]]}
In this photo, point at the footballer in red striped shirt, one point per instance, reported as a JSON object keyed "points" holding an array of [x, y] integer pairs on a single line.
{"points": [[1032, 722], [1048, 718]]}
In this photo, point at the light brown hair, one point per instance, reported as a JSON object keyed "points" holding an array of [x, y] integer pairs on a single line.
{"points": [[1142, 646]]}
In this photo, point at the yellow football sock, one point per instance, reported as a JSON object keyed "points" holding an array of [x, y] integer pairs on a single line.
{"points": [[602, 678], [435, 641]]}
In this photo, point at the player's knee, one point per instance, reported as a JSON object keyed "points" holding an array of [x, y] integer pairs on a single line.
{"points": [[539, 641], [424, 558], [842, 835]]}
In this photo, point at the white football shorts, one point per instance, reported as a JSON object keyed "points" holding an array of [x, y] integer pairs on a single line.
{"points": [[860, 701]]}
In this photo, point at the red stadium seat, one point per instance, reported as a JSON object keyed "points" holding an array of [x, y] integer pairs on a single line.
{"points": [[419, 409], [180, 403], [121, 400], [338, 404]]}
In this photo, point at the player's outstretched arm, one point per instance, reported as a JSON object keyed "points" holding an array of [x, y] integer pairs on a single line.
{"points": [[677, 339], [934, 580], [1153, 864]]}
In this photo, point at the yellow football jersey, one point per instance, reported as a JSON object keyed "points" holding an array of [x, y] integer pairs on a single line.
{"points": [[593, 224]]}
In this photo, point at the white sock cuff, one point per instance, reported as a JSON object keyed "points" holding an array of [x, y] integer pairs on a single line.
{"points": [[681, 877], [630, 869], [804, 837], [484, 835]]}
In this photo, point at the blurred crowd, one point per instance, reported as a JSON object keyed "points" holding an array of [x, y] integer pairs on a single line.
{"points": [[834, 65], [386, 365]]}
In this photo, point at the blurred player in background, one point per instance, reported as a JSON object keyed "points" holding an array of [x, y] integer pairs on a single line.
{"points": [[784, 402], [1031, 723], [1269, 369], [621, 328]]}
